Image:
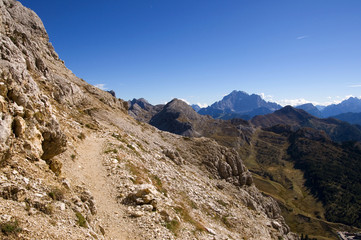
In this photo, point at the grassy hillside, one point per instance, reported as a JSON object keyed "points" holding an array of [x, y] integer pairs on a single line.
{"points": [[332, 172], [283, 166]]}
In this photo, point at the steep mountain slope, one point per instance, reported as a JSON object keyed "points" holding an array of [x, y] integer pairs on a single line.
{"points": [[352, 118], [311, 109], [352, 104], [239, 104], [142, 110], [75, 165], [287, 164], [332, 173], [339, 131]]}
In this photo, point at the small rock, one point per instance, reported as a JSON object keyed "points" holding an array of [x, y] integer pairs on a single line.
{"points": [[5, 217], [220, 186], [102, 230], [32, 211], [60, 205], [26, 180], [66, 183], [136, 214], [276, 225], [147, 207], [211, 231]]}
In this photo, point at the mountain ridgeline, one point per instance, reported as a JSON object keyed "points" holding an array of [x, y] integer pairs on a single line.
{"points": [[297, 158], [239, 104], [337, 130]]}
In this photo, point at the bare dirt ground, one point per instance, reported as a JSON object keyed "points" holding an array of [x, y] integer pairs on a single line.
{"points": [[88, 171]]}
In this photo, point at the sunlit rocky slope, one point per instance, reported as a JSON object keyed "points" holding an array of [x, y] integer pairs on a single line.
{"points": [[75, 165]]}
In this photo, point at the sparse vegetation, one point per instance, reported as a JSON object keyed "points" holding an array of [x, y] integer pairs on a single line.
{"points": [[10, 227], [56, 194], [184, 213], [133, 149], [117, 136], [48, 209], [140, 174], [225, 221], [223, 203], [81, 220], [72, 156], [173, 226], [158, 184], [81, 136]]}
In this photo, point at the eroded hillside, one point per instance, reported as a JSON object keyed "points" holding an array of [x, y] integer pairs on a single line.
{"points": [[75, 165]]}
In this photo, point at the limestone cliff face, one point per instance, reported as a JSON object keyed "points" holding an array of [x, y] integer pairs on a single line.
{"points": [[75, 165]]}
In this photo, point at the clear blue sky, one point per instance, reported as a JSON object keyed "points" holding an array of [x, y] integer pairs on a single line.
{"points": [[200, 50]]}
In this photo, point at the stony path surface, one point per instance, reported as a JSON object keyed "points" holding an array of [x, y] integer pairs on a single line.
{"points": [[90, 172]]}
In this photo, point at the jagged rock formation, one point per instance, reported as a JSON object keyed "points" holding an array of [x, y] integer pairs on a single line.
{"points": [[75, 165]]}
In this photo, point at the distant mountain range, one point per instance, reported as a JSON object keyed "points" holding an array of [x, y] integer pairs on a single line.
{"points": [[348, 110], [352, 104], [239, 104]]}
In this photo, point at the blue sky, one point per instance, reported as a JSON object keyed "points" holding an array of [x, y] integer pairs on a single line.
{"points": [[290, 51]]}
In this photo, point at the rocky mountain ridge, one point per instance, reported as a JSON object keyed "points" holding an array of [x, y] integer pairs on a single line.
{"points": [[75, 165]]}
